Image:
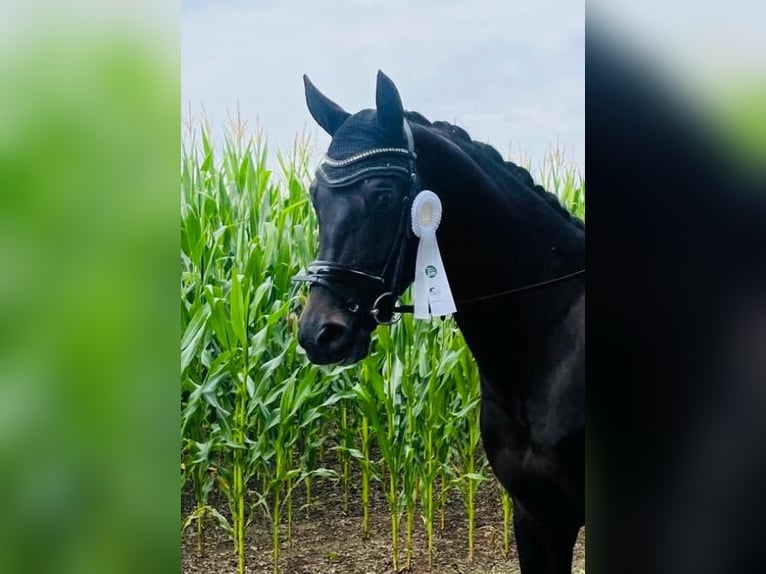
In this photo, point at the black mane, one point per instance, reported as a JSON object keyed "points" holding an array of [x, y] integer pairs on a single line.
{"points": [[504, 173]]}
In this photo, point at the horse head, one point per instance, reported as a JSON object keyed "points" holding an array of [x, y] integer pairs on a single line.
{"points": [[362, 195]]}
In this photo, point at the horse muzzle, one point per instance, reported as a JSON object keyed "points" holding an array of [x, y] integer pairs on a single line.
{"points": [[332, 337]]}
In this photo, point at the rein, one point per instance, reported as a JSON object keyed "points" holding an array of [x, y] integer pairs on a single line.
{"points": [[532, 287]]}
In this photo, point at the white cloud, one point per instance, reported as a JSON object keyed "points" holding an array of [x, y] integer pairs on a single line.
{"points": [[507, 71]]}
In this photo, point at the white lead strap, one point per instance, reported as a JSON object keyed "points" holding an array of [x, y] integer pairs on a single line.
{"points": [[432, 294]]}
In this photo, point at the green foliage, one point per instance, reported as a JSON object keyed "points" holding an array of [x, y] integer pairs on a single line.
{"points": [[259, 421]]}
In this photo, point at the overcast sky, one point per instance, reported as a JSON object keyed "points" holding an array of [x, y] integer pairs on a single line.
{"points": [[510, 72]]}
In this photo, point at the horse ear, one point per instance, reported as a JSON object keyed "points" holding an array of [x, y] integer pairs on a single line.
{"points": [[327, 113], [389, 104]]}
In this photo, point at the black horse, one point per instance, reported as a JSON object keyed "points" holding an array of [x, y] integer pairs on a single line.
{"points": [[515, 260]]}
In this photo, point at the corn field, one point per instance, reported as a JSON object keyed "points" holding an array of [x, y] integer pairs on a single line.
{"points": [[260, 425]]}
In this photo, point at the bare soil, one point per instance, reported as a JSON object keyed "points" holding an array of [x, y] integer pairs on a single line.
{"points": [[327, 540]]}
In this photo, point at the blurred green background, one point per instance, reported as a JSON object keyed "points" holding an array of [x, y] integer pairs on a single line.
{"points": [[89, 319], [89, 241]]}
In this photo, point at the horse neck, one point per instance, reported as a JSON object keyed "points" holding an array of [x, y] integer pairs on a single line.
{"points": [[493, 239]]}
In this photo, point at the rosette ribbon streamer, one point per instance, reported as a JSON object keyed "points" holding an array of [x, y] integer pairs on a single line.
{"points": [[431, 291]]}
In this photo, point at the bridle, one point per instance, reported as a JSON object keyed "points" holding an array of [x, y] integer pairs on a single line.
{"points": [[387, 285]]}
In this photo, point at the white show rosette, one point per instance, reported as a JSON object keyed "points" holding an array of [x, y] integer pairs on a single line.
{"points": [[431, 292]]}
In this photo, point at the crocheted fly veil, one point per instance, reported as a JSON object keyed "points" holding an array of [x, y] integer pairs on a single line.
{"points": [[368, 143]]}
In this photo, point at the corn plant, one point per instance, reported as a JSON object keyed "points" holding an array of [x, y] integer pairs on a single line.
{"points": [[257, 418], [465, 410], [408, 337], [436, 429], [507, 504], [373, 390]]}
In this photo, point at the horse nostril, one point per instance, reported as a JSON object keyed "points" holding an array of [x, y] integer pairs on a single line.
{"points": [[331, 334]]}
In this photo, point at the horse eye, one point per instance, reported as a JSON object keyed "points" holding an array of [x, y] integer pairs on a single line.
{"points": [[384, 199]]}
